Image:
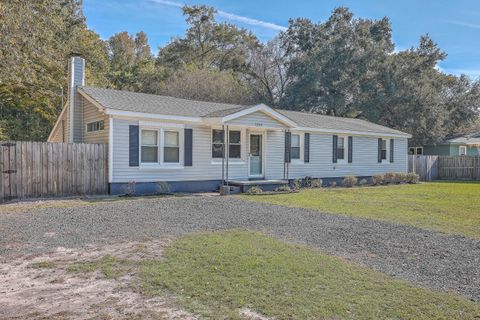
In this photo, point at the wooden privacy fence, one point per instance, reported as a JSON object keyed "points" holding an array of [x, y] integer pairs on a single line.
{"points": [[459, 168], [425, 166], [445, 167], [44, 169]]}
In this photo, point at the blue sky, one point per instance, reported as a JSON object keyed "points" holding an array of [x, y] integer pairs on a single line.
{"points": [[455, 25]]}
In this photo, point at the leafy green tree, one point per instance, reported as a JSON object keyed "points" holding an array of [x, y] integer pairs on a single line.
{"points": [[208, 85], [36, 38], [132, 63], [208, 43]]}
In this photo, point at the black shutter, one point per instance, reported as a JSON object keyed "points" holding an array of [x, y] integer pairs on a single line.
{"points": [[133, 146], [379, 150], [188, 147], [334, 150], [306, 149], [350, 149], [288, 144], [391, 150]]}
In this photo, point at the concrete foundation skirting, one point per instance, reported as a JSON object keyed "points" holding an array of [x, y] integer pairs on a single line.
{"points": [[146, 188]]}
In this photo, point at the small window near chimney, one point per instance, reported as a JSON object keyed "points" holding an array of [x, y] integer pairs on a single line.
{"points": [[95, 126]]}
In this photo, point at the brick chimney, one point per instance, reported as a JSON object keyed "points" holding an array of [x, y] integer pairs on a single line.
{"points": [[76, 78]]}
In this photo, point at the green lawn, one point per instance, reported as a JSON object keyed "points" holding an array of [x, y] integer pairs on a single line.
{"points": [[452, 207], [215, 275]]}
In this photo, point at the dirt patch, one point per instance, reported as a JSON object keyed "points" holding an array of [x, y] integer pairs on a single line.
{"points": [[40, 287]]}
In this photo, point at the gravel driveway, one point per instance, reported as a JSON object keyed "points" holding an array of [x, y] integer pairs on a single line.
{"points": [[449, 263]]}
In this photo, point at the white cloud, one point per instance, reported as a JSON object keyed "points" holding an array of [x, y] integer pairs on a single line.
{"points": [[231, 16], [463, 24]]}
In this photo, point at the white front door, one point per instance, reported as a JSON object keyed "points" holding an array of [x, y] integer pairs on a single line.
{"points": [[255, 155]]}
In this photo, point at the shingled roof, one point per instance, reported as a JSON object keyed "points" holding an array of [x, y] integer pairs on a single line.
{"points": [[165, 105]]}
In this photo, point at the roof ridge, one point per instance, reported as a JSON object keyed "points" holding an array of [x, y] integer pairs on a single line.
{"points": [[165, 96]]}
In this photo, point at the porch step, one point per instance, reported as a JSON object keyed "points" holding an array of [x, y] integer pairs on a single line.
{"points": [[265, 185]]}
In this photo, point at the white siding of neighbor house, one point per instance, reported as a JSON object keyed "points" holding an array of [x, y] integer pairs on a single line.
{"points": [[205, 168], [255, 119]]}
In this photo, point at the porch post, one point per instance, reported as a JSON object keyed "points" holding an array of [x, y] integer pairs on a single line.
{"points": [[223, 155], [227, 152]]}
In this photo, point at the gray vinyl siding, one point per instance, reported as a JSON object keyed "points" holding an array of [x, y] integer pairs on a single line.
{"points": [[256, 118], [365, 152], [92, 114], [320, 165], [202, 168]]}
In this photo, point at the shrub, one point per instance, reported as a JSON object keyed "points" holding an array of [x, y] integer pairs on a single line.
{"points": [[333, 184], [162, 188], [316, 183], [349, 181], [378, 179], [130, 189], [389, 178], [254, 190], [283, 188], [363, 182], [297, 184], [412, 177]]}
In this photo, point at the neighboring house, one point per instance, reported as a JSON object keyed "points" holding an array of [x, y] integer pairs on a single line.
{"points": [[154, 139], [457, 146]]}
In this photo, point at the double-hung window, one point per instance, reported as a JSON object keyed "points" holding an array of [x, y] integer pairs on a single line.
{"points": [[160, 146], [384, 150], [462, 150], [235, 144], [341, 148], [295, 147], [171, 147], [149, 152]]}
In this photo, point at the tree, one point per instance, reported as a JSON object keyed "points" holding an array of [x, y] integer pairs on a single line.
{"points": [[268, 65], [208, 85], [132, 63], [332, 62], [347, 67], [208, 44], [36, 38]]}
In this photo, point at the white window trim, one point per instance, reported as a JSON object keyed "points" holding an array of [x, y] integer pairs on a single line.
{"points": [[302, 147], [160, 143], [243, 146], [387, 160], [345, 150], [460, 150], [94, 131]]}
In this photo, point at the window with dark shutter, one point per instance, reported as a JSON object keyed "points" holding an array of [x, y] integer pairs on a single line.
{"points": [[188, 147], [334, 151], [350, 149], [391, 150], [133, 146], [380, 149], [288, 144], [306, 149]]}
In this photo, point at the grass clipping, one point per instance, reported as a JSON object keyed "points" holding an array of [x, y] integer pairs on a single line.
{"points": [[216, 275]]}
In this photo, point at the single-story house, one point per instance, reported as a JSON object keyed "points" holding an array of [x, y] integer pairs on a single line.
{"points": [[197, 146], [461, 145]]}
